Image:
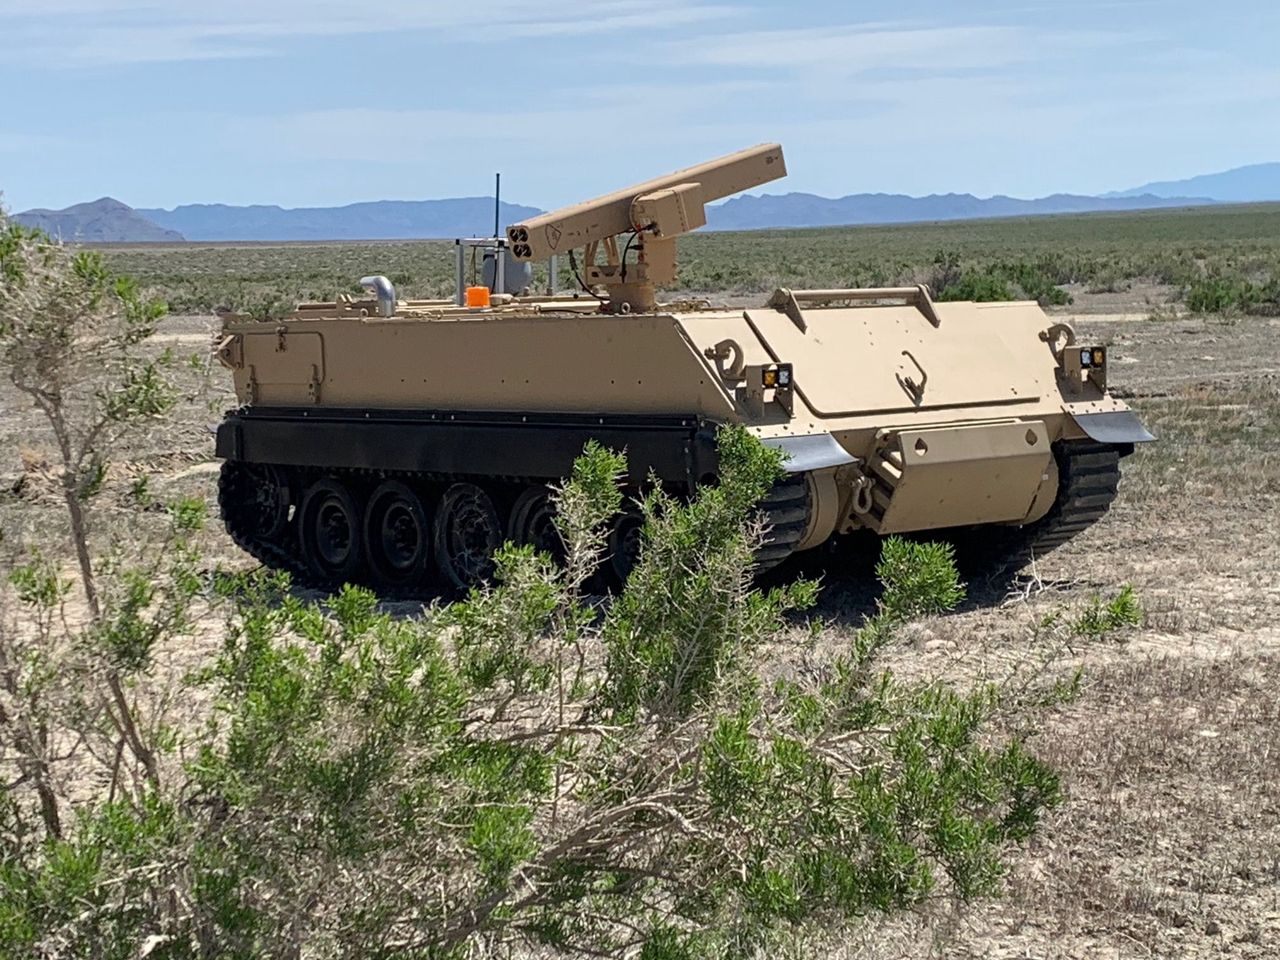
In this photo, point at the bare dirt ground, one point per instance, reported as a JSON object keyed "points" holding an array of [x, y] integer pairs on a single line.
{"points": [[1168, 842]]}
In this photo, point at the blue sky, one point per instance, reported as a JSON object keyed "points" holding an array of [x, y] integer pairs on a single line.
{"points": [[161, 102]]}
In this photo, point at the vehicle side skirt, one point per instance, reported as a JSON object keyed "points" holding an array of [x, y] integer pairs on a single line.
{"points": [[678, 450]]}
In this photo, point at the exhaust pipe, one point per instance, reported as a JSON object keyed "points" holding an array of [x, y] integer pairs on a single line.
{"points": [[386, 294]]}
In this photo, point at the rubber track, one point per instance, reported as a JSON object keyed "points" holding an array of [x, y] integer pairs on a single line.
{"points": [[287, 555], [274, 556], [1088, 478], [786, 510]]}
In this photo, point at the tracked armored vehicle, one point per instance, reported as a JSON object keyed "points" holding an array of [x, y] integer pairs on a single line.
{"points": [[386, 441]]}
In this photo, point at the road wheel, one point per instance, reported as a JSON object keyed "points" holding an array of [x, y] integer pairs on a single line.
{"points": [[533, 523], [467, 532], [626, 537], [329, 526], [397, 537]]}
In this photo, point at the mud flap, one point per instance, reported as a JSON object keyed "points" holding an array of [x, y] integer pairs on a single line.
{"points": [[812, 452], [1114, 426]]}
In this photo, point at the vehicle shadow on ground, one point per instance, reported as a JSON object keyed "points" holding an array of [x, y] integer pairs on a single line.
{"points": [[401, 608], [845, 569], [850, 591]]}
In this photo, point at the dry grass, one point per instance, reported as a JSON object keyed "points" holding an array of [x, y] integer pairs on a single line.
{"points": [[1169, 842], [1099, 256]]}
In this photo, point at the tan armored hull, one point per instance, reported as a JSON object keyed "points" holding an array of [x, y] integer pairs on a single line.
{"points": [[902, 416], [377, 437]]}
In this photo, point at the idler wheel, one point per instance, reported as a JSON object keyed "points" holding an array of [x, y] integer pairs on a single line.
{"points": [[330, 529], [255, 500], [397, 537], [533, 523], [467, 532]]}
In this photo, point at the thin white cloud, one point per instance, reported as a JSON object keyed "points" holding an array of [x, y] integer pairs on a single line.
{"points": [[851, 49], [861, 47], [952, 103], [605, 117], [647, 17], [91, 32]]}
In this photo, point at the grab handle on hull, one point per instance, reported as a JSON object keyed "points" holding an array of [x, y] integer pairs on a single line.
{"points": [[790, 301]]}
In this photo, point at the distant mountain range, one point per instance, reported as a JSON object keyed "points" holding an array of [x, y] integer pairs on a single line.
{"points": [[102, 221], [109, 220], [378, 220], [751, 212], [1251, 184]]}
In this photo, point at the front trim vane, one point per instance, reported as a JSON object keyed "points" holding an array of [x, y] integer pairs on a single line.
{"points": [[811, 452], [1113, 426]]}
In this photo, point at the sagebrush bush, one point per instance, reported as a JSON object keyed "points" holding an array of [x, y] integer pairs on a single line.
{"points": [[980, 286], [1219, 293], [523, 767], [1039, 280], [1036, 280], [527, 767], [920, 578], [1106, 251]]}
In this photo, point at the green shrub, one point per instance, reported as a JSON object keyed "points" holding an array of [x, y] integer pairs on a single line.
{"points": [[919, 578], [1219, 293], [524, 770], [689, 614], [1039, 282], [1216, 294], [980, 286], [1036, 281], [1102, 618]]}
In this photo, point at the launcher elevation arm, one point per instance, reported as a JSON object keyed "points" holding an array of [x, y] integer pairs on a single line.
{"points": [[656, 212]]}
